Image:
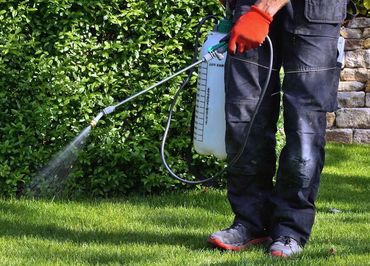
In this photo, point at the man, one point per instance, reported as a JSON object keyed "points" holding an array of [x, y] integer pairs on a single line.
{"points": [[304, 34]]}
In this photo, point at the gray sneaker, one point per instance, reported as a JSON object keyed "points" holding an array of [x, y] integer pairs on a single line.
{"points": [[236, 238], [285, 246]]}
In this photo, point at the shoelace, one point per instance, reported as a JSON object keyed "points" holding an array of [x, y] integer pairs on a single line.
{"points": [[286, 240]]}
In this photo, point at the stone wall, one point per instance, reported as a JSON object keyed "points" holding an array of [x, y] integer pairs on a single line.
{"points": [[351, 123]]}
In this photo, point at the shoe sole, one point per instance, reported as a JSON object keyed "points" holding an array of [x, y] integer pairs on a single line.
{"points": [[219, 244], [279, 254]]}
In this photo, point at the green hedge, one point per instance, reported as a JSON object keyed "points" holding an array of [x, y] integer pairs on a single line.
{"points": [[363, 7], [62, 61]]}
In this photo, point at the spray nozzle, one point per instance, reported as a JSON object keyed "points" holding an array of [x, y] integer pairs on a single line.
{"points": [[106, 111]]}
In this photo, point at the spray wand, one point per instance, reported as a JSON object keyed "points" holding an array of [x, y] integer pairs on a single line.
{"points": [[215, 51]]}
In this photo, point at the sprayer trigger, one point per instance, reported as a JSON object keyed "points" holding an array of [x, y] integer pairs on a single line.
{"points": [[219, 56]]}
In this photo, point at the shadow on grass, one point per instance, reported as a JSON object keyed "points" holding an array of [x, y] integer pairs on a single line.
{"points": [[52, 232], [21, 225], [339, 153], [350, 190], [150, 229], [103, 255], [77, 256], [209, 200]]}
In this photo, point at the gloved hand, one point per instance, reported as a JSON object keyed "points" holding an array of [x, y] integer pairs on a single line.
{"points": [[250, 30]]}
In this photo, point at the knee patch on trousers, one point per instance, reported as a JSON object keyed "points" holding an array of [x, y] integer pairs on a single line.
{"points": [[297, 171]]}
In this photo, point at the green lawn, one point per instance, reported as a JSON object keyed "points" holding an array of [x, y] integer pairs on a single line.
{"points": [[172, 229]]}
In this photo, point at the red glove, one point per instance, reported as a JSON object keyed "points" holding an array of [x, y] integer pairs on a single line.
{"points": [[250, 30]]}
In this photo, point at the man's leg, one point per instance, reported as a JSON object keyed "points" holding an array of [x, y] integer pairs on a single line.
{"points": [[249, 181], [310, 34], [310, 83]]}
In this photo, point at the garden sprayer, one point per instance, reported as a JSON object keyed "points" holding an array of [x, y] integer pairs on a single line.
{"points": [[209, 118], [209, 123]]}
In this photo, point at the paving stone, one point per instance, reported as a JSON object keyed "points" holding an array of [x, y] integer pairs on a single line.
{"points": [[366, 43], [367, 57], [339, 135], [354, 44], [351, 33], [353, 118], [330, 119], [361, 22], [355, 74], [351, 99], [366, 33], [355, 59], [351, 86], [361, 136]]}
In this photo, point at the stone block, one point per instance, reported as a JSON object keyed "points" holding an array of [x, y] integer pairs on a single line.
{"points": [[339, 135], [366, 33], [367, 43], [355, 59], [353, 118], [354, 44], [367, 57], [361, 22], [361, 136], [355, 74], [330, 119], [351, 99], [351, 86], [367, 88], [367, 100], [351, 33]]}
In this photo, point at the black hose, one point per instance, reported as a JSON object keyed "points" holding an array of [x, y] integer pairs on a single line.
{"points": [[246, 131]]}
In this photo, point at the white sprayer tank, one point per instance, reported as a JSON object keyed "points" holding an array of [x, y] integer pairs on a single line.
{"points": [[209, 123]]}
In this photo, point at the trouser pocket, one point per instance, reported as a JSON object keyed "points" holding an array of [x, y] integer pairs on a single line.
{"points": [[311, 71], [314, 17], [325, 11], [315, 90]]}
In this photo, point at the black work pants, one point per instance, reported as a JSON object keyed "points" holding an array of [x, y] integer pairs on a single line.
{"points": [[305, 45]]}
